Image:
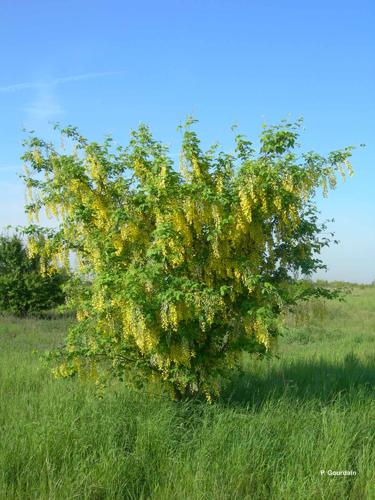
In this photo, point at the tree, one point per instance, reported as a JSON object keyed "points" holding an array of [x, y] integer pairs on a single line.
{"points": [[188, 269], [23, 288]]}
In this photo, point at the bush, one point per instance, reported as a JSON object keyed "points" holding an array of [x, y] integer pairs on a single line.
{"points": [[23, 288], [187, 269]]}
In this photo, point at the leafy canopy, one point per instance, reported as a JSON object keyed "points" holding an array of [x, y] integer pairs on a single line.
{"points": [[186, 269]]}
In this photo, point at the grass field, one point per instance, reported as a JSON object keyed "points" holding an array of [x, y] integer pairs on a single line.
{"points": [[270, 435]]}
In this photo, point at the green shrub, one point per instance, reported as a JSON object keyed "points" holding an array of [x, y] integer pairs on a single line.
{"points": [[189, 269], [23, 288]]}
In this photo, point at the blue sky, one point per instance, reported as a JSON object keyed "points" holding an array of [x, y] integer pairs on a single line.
{"points": [[107, 66]]}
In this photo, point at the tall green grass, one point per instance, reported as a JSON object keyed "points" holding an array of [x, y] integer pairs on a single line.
{"points": [[275, 428]]}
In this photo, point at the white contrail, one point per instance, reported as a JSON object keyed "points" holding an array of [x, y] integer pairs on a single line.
{"points": [[57, 81]]}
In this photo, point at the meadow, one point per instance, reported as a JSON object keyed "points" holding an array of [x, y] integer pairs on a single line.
{"points": [[276, 426]]}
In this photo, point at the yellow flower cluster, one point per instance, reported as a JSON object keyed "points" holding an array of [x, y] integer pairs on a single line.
{"points": [[245, 204], [98, 301], [75, 186], [101, 220], [189, 209], [94, 168], [180, 353], [134, 325], [138, 168], [118, 244], [32, 247], [180, 225], [51, 210], [177, 252], [162, 176], [133, 231], [219, 184], [287, 183], [258, 329], [29, 192], [81, 315], [64, 370], [37, 156], [169, 317], [349, 167], [240, 228], [95, 255], [261, 333], [277, 202], [196, 167], [216, 215]]}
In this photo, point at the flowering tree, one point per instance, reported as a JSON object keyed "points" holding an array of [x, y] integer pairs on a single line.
{"points": [[187, 269]]}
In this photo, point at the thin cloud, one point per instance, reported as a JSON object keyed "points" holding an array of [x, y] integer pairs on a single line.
{"points": [[45, 107], [15, 87]]}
